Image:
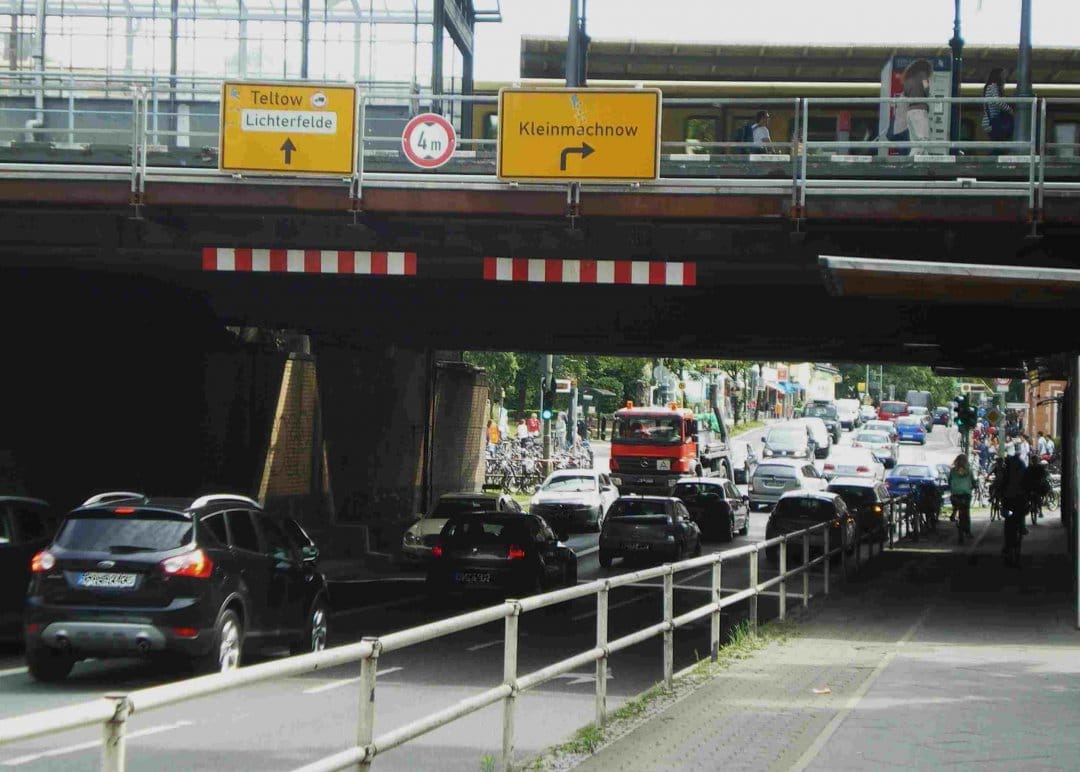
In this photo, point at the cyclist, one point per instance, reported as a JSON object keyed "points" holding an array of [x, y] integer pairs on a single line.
{"points": [[1015, 498], [1038, 484], [961, 484]]}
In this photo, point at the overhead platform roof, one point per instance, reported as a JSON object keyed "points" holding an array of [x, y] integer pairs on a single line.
{"points": [[919, 280], [544, 57]]}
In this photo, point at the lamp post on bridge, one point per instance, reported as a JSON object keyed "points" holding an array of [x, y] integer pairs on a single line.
{"points": [[957, 46]]}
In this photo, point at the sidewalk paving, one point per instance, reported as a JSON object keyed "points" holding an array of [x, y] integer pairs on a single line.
{"points": [[936, 655]]}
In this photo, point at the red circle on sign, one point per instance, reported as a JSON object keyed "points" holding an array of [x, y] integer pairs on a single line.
{"points": [[428, 140]]}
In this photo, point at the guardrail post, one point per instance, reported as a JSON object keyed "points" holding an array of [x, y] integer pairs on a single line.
{"points": [[114, 740], [714, 626], [669, 631], [510, 656], [602, 663], [827, 558], [365, 730], [754, 584], [783, 578], [806, 569]]}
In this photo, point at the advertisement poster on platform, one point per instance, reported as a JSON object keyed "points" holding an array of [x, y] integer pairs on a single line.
{"points": [[914, 76]]}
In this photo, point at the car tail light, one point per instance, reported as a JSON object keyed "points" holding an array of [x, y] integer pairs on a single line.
{"points": [[196, 564], [514, 552], [42, 562], [437, 550], [185, 632], [862, 469], [829, 467], [32, 627], [124, 511]]}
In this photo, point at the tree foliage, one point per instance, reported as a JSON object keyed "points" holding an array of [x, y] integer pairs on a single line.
{"points": [[900, 377]]}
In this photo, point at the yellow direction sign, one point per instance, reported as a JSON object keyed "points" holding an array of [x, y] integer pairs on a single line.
{"points": [[579, 134], [279, 127]]}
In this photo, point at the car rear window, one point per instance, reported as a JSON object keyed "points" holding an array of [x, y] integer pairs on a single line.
{"points": [[124, 534], [893, 407], [637, 508], [879, 437], [697, 492], [451, 507], [854, 496], [805, 508], [775, 470], [478, 531], [911, 471]]}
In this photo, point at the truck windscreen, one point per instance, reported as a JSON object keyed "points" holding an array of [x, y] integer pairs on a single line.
{"points": [[650, 430]]}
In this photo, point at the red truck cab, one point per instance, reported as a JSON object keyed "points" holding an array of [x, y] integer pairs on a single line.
{"points": [[651, 447]]}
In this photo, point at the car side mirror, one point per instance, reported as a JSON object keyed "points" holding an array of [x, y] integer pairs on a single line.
{"points": [[309, 553]]}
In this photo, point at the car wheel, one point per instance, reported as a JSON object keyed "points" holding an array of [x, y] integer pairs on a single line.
{"points": [[48, 665], [316, 629], [227, 646], [727, 532], [605, 559]]}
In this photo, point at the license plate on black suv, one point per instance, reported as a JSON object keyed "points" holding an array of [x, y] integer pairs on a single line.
{"points": [[107, 580], [473, 577], [635, 546]]}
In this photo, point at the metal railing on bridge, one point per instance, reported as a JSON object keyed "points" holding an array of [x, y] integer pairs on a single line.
{"points": [[112, 710], [154, 129]]}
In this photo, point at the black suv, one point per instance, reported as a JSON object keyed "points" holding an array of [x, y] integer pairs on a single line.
{"points": [[203, 578]]}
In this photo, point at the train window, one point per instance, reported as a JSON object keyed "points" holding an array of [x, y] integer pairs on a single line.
{"points": [[702, 129], [491, 126]]}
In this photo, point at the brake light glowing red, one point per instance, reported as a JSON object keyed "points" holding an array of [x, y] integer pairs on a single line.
{"points": [[33, 627], [186, 632], [862, 469], [514, 552], [42, 562], [195, 564], [829, 466], [437, 551], [124, 511]]}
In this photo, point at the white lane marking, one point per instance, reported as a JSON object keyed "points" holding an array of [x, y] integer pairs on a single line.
{"points": [[377, 581], [812, 752], [19, 760], [380, 606], [346, 681], [627, 602], [12, 671], [487, 645]]}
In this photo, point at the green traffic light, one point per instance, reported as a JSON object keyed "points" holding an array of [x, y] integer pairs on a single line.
{"points": [[546, 415]]}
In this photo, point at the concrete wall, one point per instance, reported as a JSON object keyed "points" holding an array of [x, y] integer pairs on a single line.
{"points": [[458, 439]]}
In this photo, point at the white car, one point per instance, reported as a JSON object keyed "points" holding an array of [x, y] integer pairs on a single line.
{"points": [[880, 444], [574, 500], [418, 540], [867, 412], [847, 411], [820, 433], [854, 462]]}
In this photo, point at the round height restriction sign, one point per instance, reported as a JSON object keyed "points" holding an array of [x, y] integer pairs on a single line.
{"points": [[429, 140]]}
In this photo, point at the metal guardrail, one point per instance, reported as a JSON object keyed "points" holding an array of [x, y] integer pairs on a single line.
{"points": [[112, 710], [168, 132]]}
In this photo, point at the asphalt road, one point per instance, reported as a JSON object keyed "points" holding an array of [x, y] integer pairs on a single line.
{"points": [[282, 724]]}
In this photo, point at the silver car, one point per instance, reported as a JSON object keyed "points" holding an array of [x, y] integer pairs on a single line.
{"points": [[772, 479], [418, 539]]}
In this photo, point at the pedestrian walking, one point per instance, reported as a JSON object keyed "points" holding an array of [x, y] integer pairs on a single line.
{"points": [[997, 117], [761, 139], [493, 434], [522, 429], [961, 484], [1023, 450], [911, 119], [533, 425]]}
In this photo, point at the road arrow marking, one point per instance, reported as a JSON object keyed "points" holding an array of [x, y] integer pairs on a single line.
{"points": [[572, 679], [288, 147], [585, 150]]}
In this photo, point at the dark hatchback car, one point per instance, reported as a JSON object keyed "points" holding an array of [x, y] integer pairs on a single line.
{"points": [[797, 511], [716, 505], [26, 526], [826, 411], [202, 578], [513, 554], [649, 527], [869, 501]]}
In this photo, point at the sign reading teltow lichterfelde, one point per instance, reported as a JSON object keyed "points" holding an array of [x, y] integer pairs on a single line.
{"points": [[287, 128], [579, 134]]}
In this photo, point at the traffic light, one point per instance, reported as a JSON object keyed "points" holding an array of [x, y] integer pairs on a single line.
{"points": [[547, 399], [960, 412]]}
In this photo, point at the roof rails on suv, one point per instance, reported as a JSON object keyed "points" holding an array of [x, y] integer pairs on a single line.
{"points": [[210, 498], [111, 496]]}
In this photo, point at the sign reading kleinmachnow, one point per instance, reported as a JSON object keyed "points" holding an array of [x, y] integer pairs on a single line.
{"points": [[286, 128], [579, 134]]}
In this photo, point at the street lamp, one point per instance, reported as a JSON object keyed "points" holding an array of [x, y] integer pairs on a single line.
{"points": [[957, 46]]}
